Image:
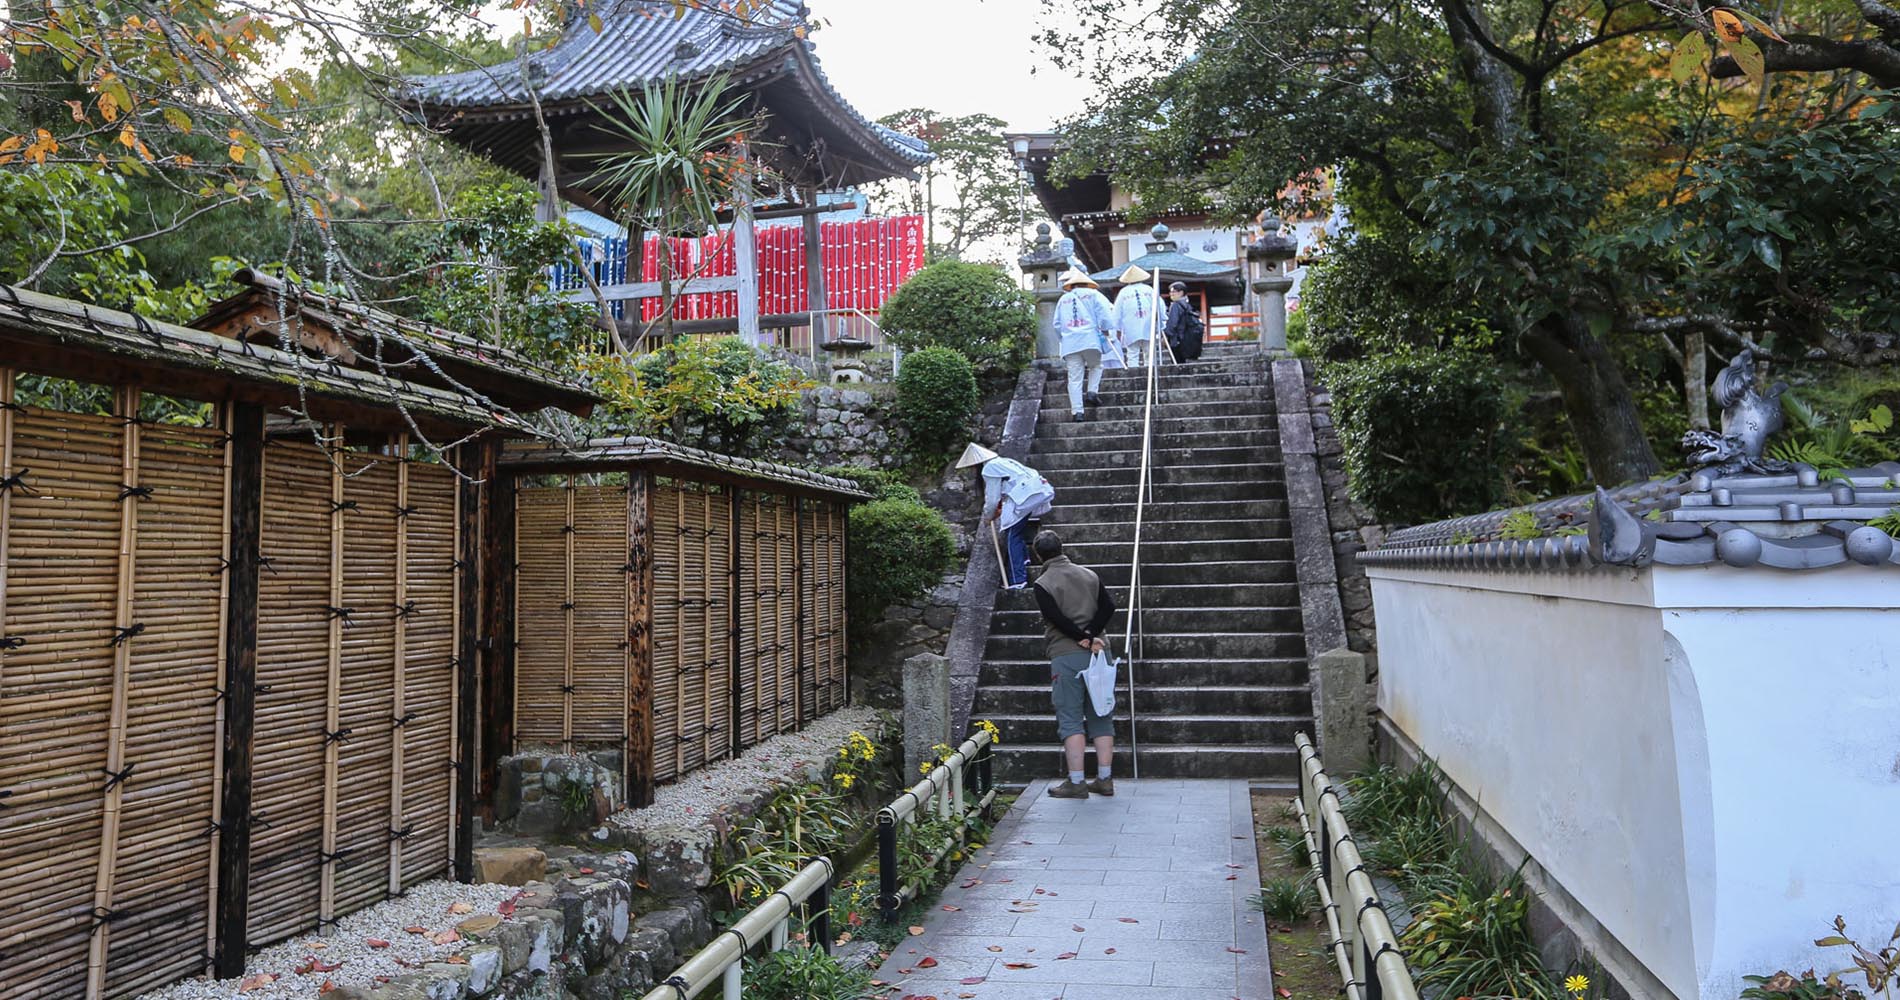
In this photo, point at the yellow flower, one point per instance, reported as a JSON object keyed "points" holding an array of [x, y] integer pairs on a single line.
{"points": [[924, 768], [1577, 984], [845, 780]]}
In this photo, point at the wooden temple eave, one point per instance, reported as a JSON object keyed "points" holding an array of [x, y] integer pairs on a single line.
{"points": [[602, 455], [67, 339]]}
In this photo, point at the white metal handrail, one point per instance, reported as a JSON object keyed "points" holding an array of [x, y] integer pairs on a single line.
{"points": [[1144, 486], [770, 921], [943, 788], [1365, 948]]}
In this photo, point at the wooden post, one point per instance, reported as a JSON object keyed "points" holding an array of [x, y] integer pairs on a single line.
{"points": [[333, 688], [6, 495], [400, 661], [844, 602], [814, 266], [104, 877], [799, 571], [477, 463], [246, 475], [679, 675], [498, 680], [745, 245], [734, 695], [639, 755], [548, 209], [567, 626]]}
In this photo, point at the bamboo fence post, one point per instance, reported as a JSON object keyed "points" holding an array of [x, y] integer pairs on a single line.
{"points": [[843, 597], [514, 557], [639, 760], [798, 588], [705, 627], [567, 615], [498, 689], [127, 406], [6, 498], [478, 460], [400, 663], [679, 675], [221, 665], [333, 689], [735, 674], [245, 528]]}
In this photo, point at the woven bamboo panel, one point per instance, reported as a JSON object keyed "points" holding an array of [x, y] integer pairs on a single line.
{"points": [[165, 855], [768, 610], [692, 607], [822, 670], [428, 673], [293, 637], [55, 692], [600, 615], [541, 631], [832, 690], [367, 691]]}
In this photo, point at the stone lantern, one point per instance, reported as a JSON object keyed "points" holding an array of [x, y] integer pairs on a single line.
{"points": [[1044, 264], [1267, 258]]}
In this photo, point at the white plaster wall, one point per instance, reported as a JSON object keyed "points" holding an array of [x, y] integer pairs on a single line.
{"points": [[1555, 715], [1707, 759]]}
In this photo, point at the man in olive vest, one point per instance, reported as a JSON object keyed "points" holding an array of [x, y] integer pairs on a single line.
{"points": [[1076, 609]]}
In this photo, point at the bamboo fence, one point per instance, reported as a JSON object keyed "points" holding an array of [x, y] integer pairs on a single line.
{"points": [[747, 597]]}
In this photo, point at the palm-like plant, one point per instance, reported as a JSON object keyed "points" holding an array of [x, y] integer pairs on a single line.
{"points": [[682, 154]]}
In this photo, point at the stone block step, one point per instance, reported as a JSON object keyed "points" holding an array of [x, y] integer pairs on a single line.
{"points": [[1255, 472], [1213, 729], [1100, 457], [1280, 571], [1058, 412], [1070, 513], [1239, 430], [1101, 554], [1162, 700], [1266, 486], [1160, 619], [1057, 394], [1133, 378], [1160, 672], [1154, 529], [1273, 595], [1021, 764], [1170, 645]]}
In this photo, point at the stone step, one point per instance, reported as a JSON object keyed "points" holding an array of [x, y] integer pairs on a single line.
{"points": [[1163, 700], [1167, 645], [1154, 529], [1175, 475], [1271, 571], [1020, 764], [1233, 729], [1164, 457], [1129, 378], [1166, 394], [1053, 432], [1057, 411], [1219, 595], [1100, 554], [1191, 436], [1073, 514], [1160, 672], [1072, 496], [1156, 619]]}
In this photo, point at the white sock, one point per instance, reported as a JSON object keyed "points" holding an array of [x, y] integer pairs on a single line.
{"points": [[1102, 773], [1075, 777]]}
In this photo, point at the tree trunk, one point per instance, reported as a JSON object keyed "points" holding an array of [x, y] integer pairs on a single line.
{"points": [[1695, 377], [1598, 402]]}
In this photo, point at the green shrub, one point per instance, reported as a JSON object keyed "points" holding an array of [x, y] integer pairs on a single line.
{"points": [[973, 309], [936, 396], [882, 484], [713, 393], [1473, 943], [1286, 899], [1420, 432], [899, 548], [804, 974]]}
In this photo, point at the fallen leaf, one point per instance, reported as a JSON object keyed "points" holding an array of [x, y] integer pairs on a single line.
{"points": [[996, 947], [506, 908], [641, 883], [256, 982], [970, 980], [462, 908], [1233, 866], [456, 960], [326, 987], [915, 930], [1019, 965], [879, 982], [1128, 920], [1238, 951], [1078, 928], [417, 929], [1065, 955], [376, 942], [971, 883], [446, 937], [310, 965], [965, 996], [587, 871], [905, 972], [927, 963], [854, 918], [951, 909], [1285, 994], [1041, 891], [1108, 951], [1230, 878]]}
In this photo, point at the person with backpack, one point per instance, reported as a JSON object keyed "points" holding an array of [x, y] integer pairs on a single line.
{"points": [[1184, 324], [1014, 495], [1076, 609], [1135, 314], [1084, 319]]}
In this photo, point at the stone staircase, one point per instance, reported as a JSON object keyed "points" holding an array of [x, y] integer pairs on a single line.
{"points": [[1221, 682]]}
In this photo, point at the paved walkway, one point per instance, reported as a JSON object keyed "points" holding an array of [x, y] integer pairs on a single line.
{"points": [[1143, 896]]}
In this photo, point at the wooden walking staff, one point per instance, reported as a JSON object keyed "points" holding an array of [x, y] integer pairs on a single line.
{"points": [[1002, 565]]}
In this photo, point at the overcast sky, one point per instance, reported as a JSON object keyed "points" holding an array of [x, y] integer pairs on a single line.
{"points": [[958, 57]]}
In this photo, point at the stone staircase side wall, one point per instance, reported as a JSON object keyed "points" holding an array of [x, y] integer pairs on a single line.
{"points": [[970, 629]]}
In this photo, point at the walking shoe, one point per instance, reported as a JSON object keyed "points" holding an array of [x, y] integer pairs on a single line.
{"points": [[1102, 786], [1069, 790], [1091, 399], [1079, 416]]}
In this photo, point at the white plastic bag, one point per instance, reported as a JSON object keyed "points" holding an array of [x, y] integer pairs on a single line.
{"points": [[1099, 678]]}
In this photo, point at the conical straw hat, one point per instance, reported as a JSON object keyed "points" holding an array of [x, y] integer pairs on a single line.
{"points": [[1134, 275], [1075, 277], [975, 454]]}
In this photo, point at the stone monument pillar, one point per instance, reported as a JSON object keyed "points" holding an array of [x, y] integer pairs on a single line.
{"points": [[1266, 276], [1044, 264]]}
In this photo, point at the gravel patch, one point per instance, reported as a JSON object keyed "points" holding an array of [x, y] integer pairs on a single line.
{"points": [[684, 809], [346, 946]]}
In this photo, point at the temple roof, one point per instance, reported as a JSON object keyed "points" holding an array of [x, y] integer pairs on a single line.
{"points": [[1221, 281], [491, 110], [1792, 521], [610, 454]]}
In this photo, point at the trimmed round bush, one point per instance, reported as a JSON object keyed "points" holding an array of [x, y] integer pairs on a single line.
{"points": [[899, 548], [882, 484], [974, 309], [1419, 430], [936, 395]]}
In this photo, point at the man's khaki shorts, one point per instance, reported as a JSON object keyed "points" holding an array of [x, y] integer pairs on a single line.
{"points": [[1075, 711]]}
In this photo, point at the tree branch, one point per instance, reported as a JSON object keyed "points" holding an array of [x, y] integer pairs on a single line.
{"points": [[1812, 53]]}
